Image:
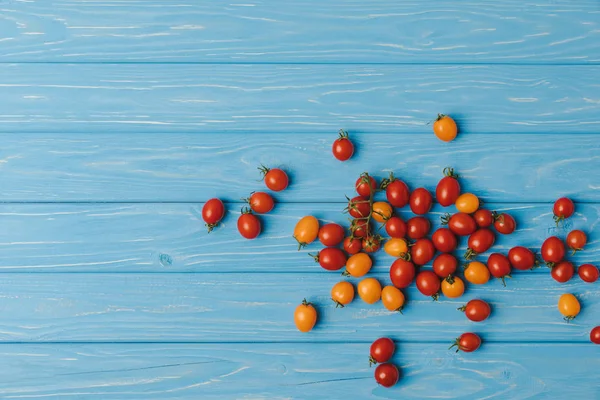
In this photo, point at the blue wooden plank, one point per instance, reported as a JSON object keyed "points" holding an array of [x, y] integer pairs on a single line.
{"points": [[190, 167], [296, 98], [258, 307], [302, 31]]}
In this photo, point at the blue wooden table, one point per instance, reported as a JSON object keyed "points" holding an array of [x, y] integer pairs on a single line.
{"points": [[119, 118]]}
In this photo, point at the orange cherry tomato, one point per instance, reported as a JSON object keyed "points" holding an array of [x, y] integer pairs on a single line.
{"points": [[306, 231], [396, 247], [382, 211], [445, 128], [392, 298], [477, 273], [569, 306], [369, 290], [305, 316], [453, 287], [358, 265], [467, 203], [342, 293]]}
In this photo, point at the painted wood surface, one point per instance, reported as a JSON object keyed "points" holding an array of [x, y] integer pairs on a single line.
{"points": [[283, 371], [339, 31], [297, 98]]}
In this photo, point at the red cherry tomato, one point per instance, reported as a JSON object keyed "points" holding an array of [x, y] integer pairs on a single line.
{"points": [[499, 266], [422, 251], [588, 273], [428, 283], [331, 258], [445, 265], [371, 244], [342, 148], [261, 202], [396, 191], [359, 207], [563, 208], [480, 242], [402, 273], [396, 227], [420, 201], [418, 227], [595, 335], [476, 310], [352, 245], [444, 240], [381, 350], [448, 188], [360, 228], [275, 179], [387, 374], [576, 240], [212, 213], [460, 223], [248, 225], [483, 218], [331, 234], [365, 185], [467, 342], [522, 258], [553, 250], [504, 224], [563, 271]]}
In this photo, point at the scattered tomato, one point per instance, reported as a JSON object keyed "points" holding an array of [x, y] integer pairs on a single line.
{"points": [[477, 273], [453, 287], [422, 251], [276, 179], [504, 224], [553, 250], [359, 207], [467, 342], [352, 245], [569, 306], [330, 258], [576, 240], [396, 247], [445, 128], [499, 266], [396, 227], [371, 244], [467, 203], [484, 218], [248, 225], [369, 290], [392, 298], [563, 208], [480, 242], [522, 258], [460, 223], [358, 265], [444, 240], [342, 293], [428, 283], [595, 335], [396, 191], [563, 271], [476, 310], [305, 316], [261, 202], [418, 227], [365, 185], [387, 374], [588, 273], [381, 351], [448, 188], [402, 273], [420, 201], [306, 231], [342, 148], [382, 211], [331, 234], [445, 265], [212, 213]]}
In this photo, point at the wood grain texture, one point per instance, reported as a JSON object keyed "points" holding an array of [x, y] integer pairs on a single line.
{"points": [[172, 237], [299, 371], [295, 98], [191, 167], [259, 308], [337, 31]]}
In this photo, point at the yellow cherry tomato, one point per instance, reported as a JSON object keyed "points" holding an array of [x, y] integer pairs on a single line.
{"points": [[453, 287], [382, 211], [467, 203], [306, 231], [305, 316], [445, 128], [477, 273], [369, 290], [358, 265], [393, 299], [569, 306], [342, 293], [396, 247]]}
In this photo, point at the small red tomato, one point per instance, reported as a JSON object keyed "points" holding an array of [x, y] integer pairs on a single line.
{"points": [[248, 225], [418, 227], [396, 191], [553, 250], [275, 179], [261, 202], [402, 273], [381, 350], [522, 258], [359, 207], [422, 251], [588, 273], [445, 265], [342, 148], [371, 244], [467, 342], [420, 201], [212, 213], [365, 185], [499, 266], [476, 310], [444, 240], [563, 208], [428, 283], [576, 240], [480, 242], [352, 245], [483, 218], [396, 227], [504, 224], [359, 228], [595, 335], [563, 271], [448, 188], [331, 234], [387, 375], [460, 223], [330, 258]]}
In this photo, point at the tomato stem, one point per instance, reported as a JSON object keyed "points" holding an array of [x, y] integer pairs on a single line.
{"points": [[301, 245], [446, 218], [462, 308], [372, 361], [449, 172], [315, 256], [338, 304], [263, 170], [343, 134], [569, 318], [210, 227], [469, 254]]}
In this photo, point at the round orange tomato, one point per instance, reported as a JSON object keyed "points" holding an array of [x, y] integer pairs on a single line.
{"points": [[369, 290], [358, 265], [306, 231], [342, 293], [382, 211], [453, 287], [569, 306], [477, 273], [445, 128], [393, 299], [467, 203], [396, 247], [305, 316]]}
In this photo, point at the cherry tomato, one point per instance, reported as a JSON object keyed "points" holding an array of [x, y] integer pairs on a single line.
{"points": [[358, 265], [381, 351], [306, 231], [588, 273], [467, 342], [387, 374], [402, 273], [453, 287], [445, 128], [330, 258], [505, 224], [261, 202], [371, 244], [359, 207], [352, 245], [418, 227], [331, 234], [480, 242], [365, 185], [467, 203], [428, 283], [342, 293], [569, 306], [484, 218], [444, 240], [275, 179], [576, 240], [305, 316], [563, 271], [563, 208], [382, 211], [212, 213], [477, 273], [392, 298], [396, 227], [396, 247], [360, 228], [460, 223], [476, 310], [553, 250], [369, 290], [248, 225], [396, 191], [445, 265], [499, 266], [595, 335], [448, 188], [342, 148], [420, 201], [522, 258], [422, 251]]}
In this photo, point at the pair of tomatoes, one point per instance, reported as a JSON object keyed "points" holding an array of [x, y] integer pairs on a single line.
{"points": [[381, 352]]}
